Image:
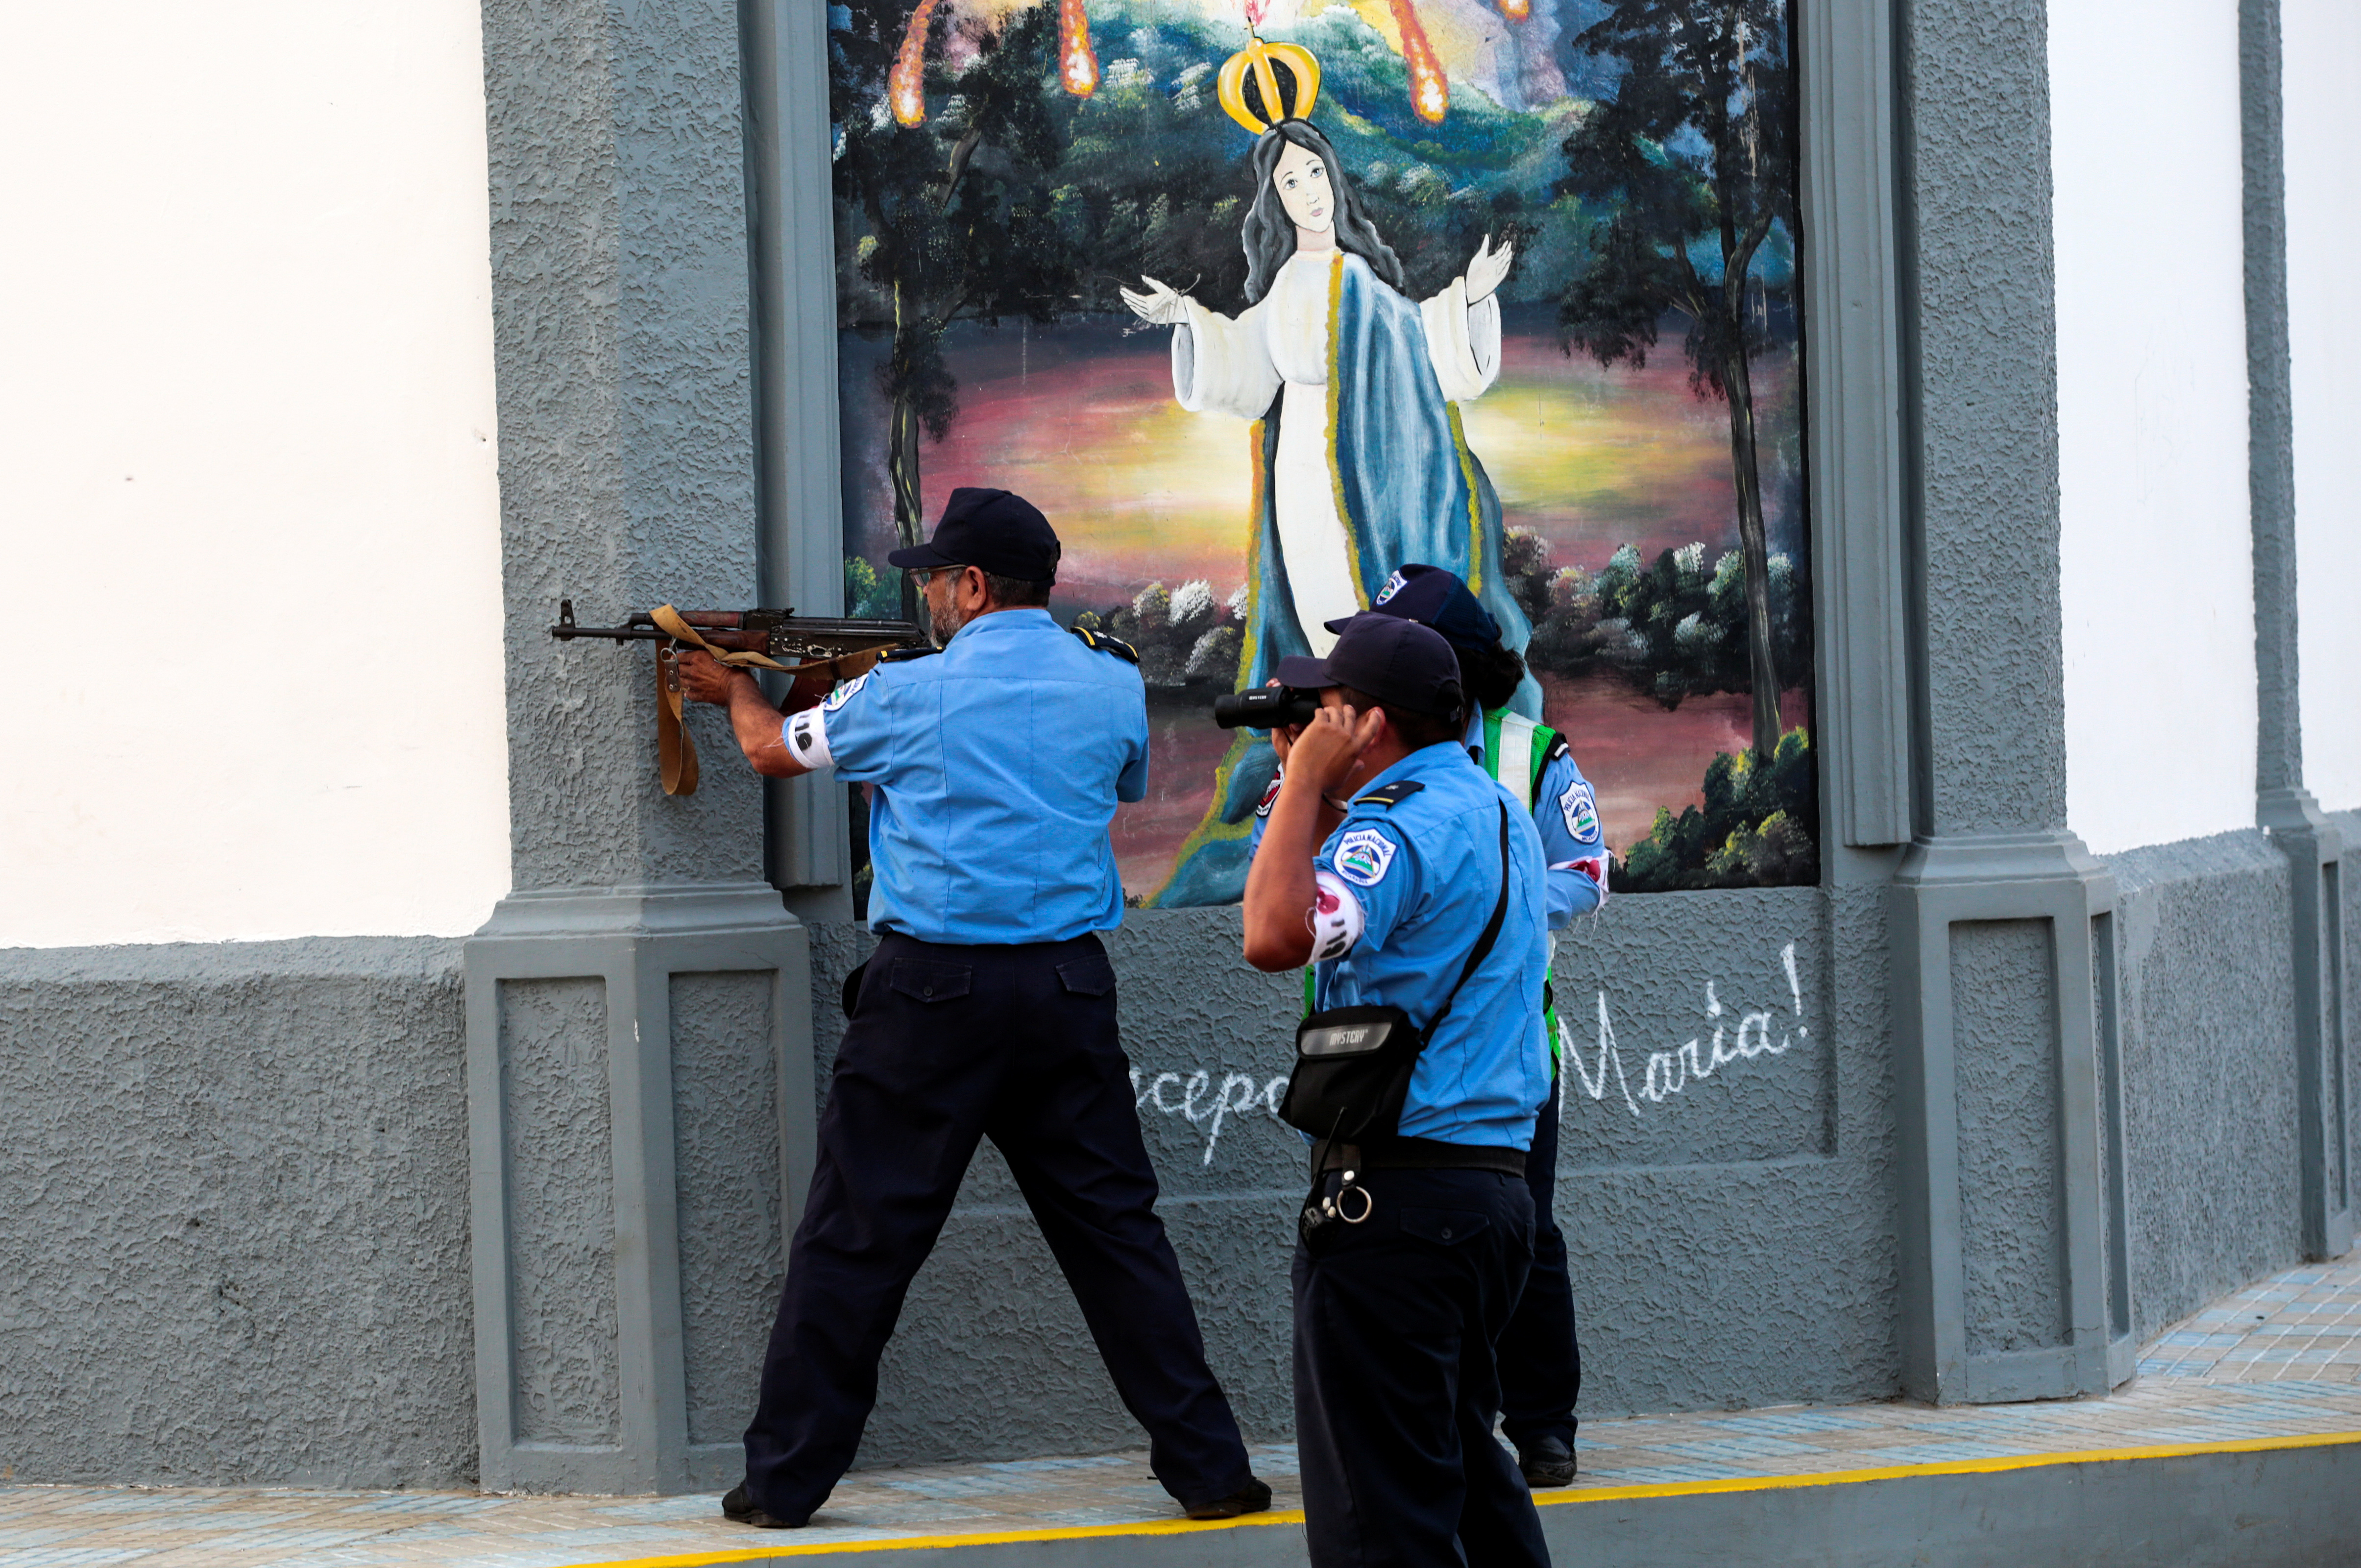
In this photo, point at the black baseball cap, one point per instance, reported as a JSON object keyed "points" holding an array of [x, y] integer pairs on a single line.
{"points": [[1401, 663], [1436, 597], [1004, 533]]}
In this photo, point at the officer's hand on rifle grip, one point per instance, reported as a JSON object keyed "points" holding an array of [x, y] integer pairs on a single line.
{"points": [[704, 678]]}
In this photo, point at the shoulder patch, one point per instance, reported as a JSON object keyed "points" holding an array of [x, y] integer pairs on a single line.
{"points": [[1363, 855], [904, 655], [844, 693], [1277, 777], [1580, 807], [1101, 642], [1390, 794]]}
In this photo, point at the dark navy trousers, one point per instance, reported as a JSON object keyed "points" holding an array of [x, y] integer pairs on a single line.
{"points": [[1540, 1362], [948, 1045], [1396, 1386]]}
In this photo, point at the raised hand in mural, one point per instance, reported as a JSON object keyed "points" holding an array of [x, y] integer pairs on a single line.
{"points": [[1485, 268], [1159, 304]]}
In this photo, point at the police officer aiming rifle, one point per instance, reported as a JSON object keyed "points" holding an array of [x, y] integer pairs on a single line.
{"points": [[1415, 884], [988, 1010]]}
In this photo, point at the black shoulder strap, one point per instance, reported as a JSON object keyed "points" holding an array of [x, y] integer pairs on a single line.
{"points": [[904, 655], [1393, 793], [1105, 644], [1483, 943]]}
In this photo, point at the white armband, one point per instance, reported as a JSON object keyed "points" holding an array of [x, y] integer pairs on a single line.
{"points": [[1592, 866], [807, 737], [1335, 917]]}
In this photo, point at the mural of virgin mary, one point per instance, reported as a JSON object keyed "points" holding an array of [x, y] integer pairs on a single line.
{"points": [[1361, 466]]}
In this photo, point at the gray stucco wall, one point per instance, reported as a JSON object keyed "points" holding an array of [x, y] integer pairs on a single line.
{"points": [[619, 314], [2348, 824], [2208, 1042], [1728, 1213], [238, 1180], [234, 1215]]}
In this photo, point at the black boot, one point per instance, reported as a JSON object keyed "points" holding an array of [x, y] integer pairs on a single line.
{"points": [[1250, 1498], [1547, 1462], [738, 1508]]}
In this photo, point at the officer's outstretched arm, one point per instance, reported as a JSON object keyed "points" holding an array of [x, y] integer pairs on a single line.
{"points": [[751, 718]]}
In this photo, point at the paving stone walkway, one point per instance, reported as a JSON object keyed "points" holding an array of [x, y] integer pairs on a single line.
{"points": [[2277, 1360]]}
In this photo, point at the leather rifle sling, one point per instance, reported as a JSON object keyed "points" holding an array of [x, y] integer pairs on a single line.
{"points": [[676, 748]]}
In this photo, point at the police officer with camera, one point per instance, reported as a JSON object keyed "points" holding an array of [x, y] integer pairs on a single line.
{"points": [[1416, 884], [1540, 1362], [988, 1010]]}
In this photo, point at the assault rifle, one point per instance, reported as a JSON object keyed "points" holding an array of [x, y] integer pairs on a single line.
{"points": [[823, 650]]}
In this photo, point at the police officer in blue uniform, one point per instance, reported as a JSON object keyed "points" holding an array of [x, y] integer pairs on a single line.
{"points": [[1540, 1359], [1384, 857], [988, 1010]]}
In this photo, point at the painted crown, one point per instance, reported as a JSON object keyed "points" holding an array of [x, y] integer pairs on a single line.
{"points": [[1264, 83]]}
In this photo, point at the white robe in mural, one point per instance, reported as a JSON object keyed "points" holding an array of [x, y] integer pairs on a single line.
{"points": [[1278, 348]]}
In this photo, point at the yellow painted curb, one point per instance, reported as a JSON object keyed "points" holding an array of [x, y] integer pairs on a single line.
{"points": [[1553, 1499]]}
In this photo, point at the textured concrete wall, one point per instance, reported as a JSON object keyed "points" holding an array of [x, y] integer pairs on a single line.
{"points": [[2347, 977], [233, 1215], [556, 1140], [1978, 278], [233, 1220], [2005, 1061], [2323, 231], [627, 470], [726, 1163], [2208, 1025], [1723, 1179]]}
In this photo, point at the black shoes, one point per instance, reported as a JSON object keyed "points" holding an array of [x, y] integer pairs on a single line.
{"points": [[1250, 1498], [738, 1508], [1548, 1463]]}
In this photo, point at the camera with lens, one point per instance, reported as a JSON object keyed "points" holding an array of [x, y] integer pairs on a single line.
{"points": [[1266, 707]]}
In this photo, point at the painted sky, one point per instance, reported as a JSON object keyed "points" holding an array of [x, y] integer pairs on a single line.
{"points": [[1079, 417]]}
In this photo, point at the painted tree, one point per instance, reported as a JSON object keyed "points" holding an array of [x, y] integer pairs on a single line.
{"points": [[953, 214], [1690, 167]]}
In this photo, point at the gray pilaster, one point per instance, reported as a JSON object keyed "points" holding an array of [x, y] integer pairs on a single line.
{"points": [[2283, 808], [642, 985], [802, 497], [1852, 347], [2002, 1102]]}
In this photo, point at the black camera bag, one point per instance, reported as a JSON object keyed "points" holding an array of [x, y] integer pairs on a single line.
{"points": [[1353, 1065]]}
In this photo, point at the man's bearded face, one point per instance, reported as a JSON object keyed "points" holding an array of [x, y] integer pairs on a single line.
{"points": [[944, 616]]}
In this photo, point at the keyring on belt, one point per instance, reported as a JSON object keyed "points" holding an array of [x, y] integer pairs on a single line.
{"points": [[1334, 1206]]}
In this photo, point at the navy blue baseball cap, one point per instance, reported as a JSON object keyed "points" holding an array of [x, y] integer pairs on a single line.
{"points": [[1004, 533], [1401, 663], [1433, 596]]}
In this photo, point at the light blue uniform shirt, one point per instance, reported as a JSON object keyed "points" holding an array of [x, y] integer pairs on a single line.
{"points": [[1564, 809], [998, 763], [1404, 889]]}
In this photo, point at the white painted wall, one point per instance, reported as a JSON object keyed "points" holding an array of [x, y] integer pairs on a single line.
{"points": [[250, 533], [2322, 39], [2158, 552]]}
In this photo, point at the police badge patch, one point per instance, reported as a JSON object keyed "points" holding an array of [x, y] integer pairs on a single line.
{"points": [[1363, 855], [1393, 586], [1580, 808], [843, 694]]}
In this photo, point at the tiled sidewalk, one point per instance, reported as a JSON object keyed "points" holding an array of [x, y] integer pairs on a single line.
{"points": [[2277, 1360], [2303, 1326]]}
